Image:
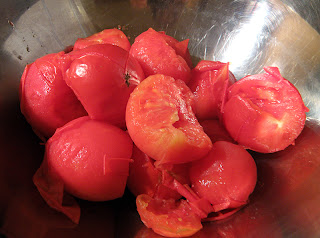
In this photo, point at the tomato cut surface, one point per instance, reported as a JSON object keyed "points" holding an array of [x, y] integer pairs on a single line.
{"points": [[225, 177], [107, 36], [168, 217], [102, 77], [162, 124], [157, 56], [45, 99], [264, 112], [209, 82]]}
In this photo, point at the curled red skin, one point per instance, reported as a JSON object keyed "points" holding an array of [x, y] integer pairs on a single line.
{"points": [[102, 77], [264, 112], [108, 36], [160, 110], [225, 177], [156, 56], [45, 99]]}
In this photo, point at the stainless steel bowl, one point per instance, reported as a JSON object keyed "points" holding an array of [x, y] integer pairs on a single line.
{"points": [[249, 34]]}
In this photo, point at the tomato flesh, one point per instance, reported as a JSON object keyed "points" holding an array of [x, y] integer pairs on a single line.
{"points": [[162, 124], [264, 112], [168, 217]]}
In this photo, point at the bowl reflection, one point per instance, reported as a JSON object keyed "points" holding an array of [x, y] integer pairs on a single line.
{"points": [[248, 34]]}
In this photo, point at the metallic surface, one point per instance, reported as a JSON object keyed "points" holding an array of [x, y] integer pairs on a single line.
{"points": [[249, 34]]}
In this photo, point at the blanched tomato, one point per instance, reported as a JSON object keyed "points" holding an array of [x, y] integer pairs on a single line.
{"points": [[89, 156], [156, 56], [102, 77], [264, 112], [45, 100], [209, 83], [107, 36], [162, 124], [168, 217], [225, 177], [145, 178]]}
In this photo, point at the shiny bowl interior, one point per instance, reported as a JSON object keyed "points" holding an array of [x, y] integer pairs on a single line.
{"points": [[248, 34]]}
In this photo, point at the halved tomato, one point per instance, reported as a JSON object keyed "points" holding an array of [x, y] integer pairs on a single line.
{"points": [[161, 122], [157, 56], [107, 36], [168, 217], [264, 112]]}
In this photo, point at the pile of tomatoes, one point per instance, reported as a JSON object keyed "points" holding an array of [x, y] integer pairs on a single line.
{"points": [[112, 115]]}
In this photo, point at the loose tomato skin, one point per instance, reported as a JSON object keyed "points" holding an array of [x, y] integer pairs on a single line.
{"points": [[209, 83], [225, 177], [87, 167], [102, 77], [45, 100], [168, 217], [160, 111], [264, 112], [108, 36], [156, 56], [145, 178]]}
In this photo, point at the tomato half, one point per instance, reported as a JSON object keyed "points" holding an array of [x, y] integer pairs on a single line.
{"points": [[264, 112], [161, 122], [102, 77], [108, 36], [45, 100], [168, 217], [89, 167], [209, 83], [156, 56], [225, 177]]}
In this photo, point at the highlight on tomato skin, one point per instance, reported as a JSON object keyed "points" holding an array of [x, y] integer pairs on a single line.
{"points": [[146, 178], [168, 217], [160, 111], [209, 83], [102, 77], [45, 99], [225, 177], [264, 112], [156, 56], [108, 36], [89, 168]]}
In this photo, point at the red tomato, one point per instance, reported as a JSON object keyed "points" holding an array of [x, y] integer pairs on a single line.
{"points": [[45, 100], [168, 217], [215, 130], [145, 178], [102, 77], [264, 112], [209, 82], [156, 56], [225, 177], [107, 36], [162, 124], [89, 156]]}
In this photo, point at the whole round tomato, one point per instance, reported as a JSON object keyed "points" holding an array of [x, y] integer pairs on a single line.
{"points": [[161, 122], [225, 177], [46, 101], [264, 112], [89, 156], [102, 77]]}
